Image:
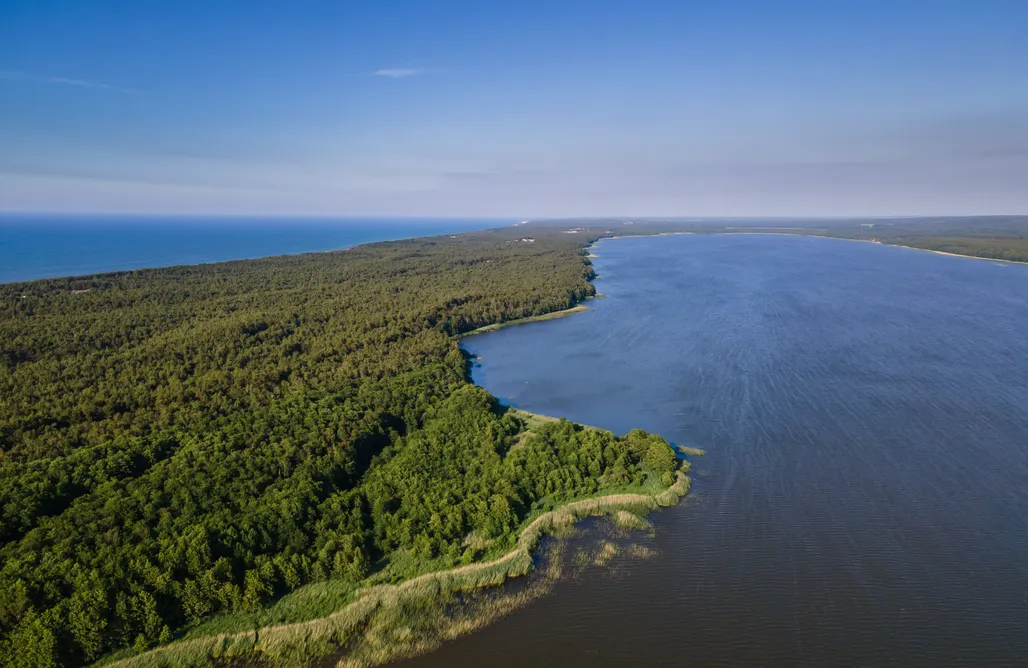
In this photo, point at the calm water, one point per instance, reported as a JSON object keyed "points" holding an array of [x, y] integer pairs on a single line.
{"points": [[864, 501], [37, 246]]}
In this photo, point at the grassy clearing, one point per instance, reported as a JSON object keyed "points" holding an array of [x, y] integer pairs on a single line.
{"points": [[384, 622], [524, 321], [309, 602], [533, 421]]}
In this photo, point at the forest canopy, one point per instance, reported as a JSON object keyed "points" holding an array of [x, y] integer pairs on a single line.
{"points": [[182, 443]]}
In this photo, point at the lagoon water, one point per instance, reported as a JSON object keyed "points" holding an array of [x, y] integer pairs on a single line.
{"points": [[864, 499], [48, 245]]}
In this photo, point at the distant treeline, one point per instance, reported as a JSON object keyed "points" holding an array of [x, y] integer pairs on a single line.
{"points": [[192, 441], [996, 237]]}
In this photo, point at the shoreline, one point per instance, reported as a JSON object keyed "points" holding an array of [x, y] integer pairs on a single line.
{"points": [[592, 245], [108, 222], [968, 257], [655, 234], [344, 633], [347, 627], [552, 315], [306, 641]]}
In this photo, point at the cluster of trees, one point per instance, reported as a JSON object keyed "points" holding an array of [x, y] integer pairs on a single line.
{"points": [[183, 442], [996, 237], [996, 249]]}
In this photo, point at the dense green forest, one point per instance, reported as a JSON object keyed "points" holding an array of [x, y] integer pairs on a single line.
{"points": [[182, 443], [995, 237]]}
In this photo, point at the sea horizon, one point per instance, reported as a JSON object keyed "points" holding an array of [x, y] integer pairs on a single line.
{"points": [[37, 246]]}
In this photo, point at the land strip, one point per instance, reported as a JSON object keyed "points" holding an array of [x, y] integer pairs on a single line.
{"points": [[375, 626]]}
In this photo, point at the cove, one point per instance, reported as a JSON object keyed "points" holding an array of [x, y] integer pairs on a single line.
{"points": [[864, 497]]}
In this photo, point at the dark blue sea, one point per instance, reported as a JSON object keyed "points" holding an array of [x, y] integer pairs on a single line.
{"points": [[44, 246]]}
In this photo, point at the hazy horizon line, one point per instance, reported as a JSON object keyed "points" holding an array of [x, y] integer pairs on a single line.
{"points": [[528, 219]]}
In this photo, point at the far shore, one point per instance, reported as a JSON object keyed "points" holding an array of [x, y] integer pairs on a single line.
{"points": [[939, 252], [657, 234], [816, 236]]}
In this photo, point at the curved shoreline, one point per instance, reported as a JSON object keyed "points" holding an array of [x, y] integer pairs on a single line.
{"points": [[939, 252], [302, 642], [592, 245], [291, 643], [343, 630]]}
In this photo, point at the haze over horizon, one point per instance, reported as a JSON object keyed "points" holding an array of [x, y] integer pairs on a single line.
{"points": [[526, 109]]}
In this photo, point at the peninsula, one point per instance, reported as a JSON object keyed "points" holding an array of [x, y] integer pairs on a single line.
{"points": [[235, 459]]}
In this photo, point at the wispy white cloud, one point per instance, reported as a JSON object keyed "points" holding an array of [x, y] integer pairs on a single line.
{"points": [[65, 81], [399, 72], [81, 83]]}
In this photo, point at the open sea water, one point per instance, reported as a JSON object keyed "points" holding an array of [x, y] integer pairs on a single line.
{"points": [[44, 246]]}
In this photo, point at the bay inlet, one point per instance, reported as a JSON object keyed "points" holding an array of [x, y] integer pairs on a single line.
{"points": [[864, 496]]}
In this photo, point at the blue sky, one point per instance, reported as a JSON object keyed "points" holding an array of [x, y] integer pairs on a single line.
{"points": [[526, 108]]}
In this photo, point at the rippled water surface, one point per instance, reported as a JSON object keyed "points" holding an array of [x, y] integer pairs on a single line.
{"points": [[864, 500]]}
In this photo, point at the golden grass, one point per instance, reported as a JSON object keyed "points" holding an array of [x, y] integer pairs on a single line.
{"points": [[607, 551], [628, 520], [670, 496], [637, 551]]}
